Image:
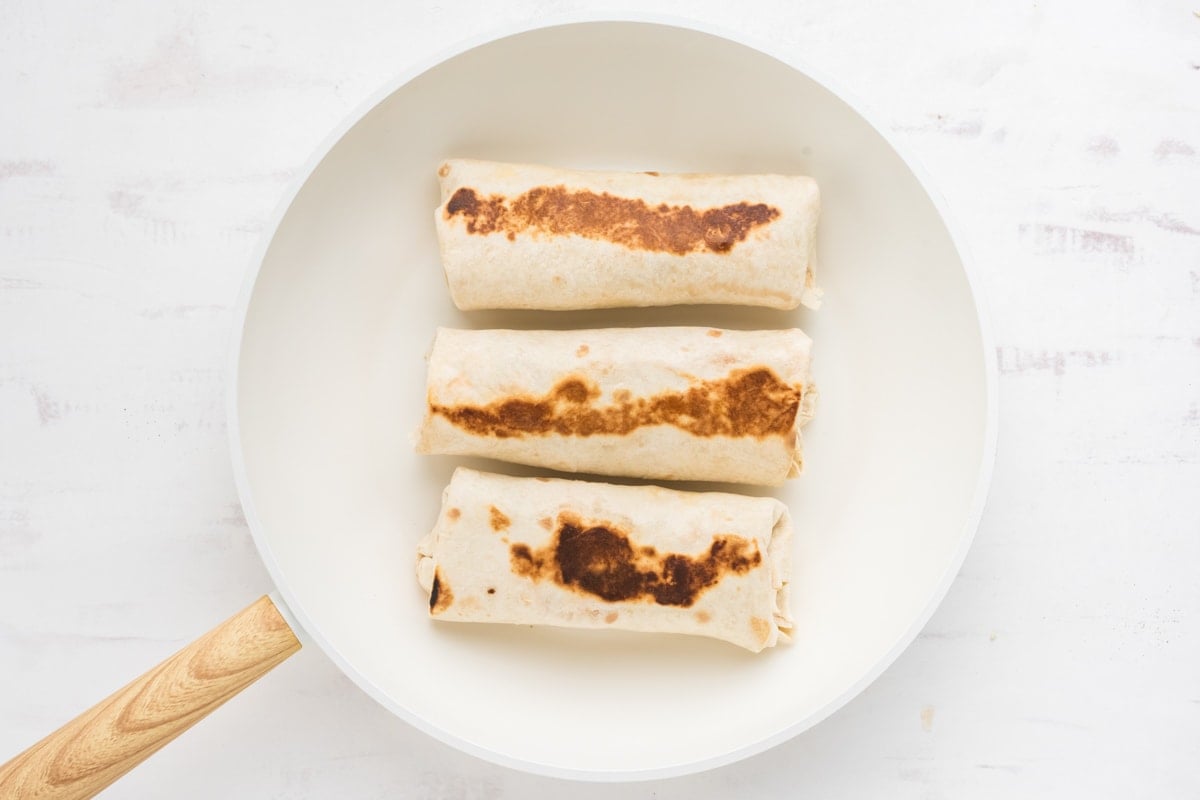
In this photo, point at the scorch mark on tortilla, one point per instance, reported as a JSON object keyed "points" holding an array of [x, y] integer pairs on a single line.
{"points": [[748, 402], [599, 559], [440, 596], [498, 519], [558, 211]]}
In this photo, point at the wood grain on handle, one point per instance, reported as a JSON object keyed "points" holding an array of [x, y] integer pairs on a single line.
{"points": [[102, 744]]}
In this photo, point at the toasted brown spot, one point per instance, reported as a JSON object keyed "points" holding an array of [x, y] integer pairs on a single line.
{"points": [[611, 617], [600, 560], [453, 513], [761, 628], [716, 334], [703, 617], [443, 170], [574, 390], [491, 590], [481, 215], [542, 480], [440, 596], [522, 561], [498, 519], [749, 402], [558, 211], [650, 172], [582, 351], [546, 523]]}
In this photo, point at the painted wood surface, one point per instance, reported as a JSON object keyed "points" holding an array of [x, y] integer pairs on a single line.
{"points": [[143, 148]]}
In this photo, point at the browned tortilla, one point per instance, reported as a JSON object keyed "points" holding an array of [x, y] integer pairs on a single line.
{"points": [[525, 236], [593, 555], [671, 403]]}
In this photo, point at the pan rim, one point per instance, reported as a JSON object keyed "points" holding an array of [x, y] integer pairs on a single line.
{"points": [[294, 609]]}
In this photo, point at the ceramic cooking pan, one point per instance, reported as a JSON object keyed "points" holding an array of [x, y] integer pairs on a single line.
{"points": [[327, 385]]}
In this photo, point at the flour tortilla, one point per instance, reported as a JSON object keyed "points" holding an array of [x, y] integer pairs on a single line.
{"points": [[484, 517], [547, 266], [654, 376]]}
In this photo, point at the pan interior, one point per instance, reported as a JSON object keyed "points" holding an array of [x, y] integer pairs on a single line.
{"points": [[330, 387]]}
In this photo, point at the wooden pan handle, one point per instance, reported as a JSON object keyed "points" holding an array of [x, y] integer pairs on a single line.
{"points": [[91, 751]]}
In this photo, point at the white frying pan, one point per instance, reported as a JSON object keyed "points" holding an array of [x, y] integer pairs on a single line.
{"points": [[342, 304]]}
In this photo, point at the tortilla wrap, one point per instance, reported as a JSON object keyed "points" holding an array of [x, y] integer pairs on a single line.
{"points": [[524, 236], [666, 403], [539, 551]]}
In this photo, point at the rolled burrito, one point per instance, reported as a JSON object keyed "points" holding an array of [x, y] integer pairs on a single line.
{"points": [[523, 236], [670, 403], [536, 551]]}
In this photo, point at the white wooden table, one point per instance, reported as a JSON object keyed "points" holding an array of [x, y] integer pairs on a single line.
{"points": [[144, 144]]}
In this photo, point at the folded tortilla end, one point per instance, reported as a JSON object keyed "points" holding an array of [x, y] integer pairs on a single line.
{"points": [[426, 564], [811, 298]]}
